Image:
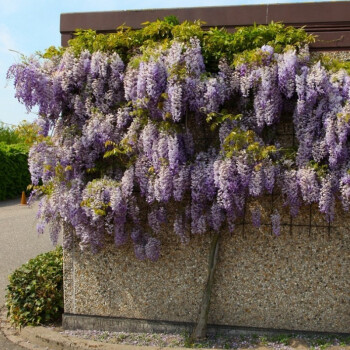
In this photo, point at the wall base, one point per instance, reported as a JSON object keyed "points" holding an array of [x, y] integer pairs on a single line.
{"points": [[132, 325]]}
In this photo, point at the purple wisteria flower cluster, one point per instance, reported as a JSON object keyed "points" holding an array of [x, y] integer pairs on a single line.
{"points": [[131, 141]]}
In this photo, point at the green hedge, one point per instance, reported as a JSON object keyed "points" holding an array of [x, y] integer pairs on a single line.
{"points": [[14, 173]]}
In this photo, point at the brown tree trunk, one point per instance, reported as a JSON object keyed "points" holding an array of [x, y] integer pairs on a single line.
{"points": [[200, 330]]}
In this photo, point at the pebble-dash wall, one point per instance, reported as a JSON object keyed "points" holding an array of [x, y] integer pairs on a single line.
{"points": [[296, 281], [299, 280]]}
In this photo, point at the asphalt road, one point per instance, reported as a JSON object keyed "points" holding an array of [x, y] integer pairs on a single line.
{"points": [[19, 240]]}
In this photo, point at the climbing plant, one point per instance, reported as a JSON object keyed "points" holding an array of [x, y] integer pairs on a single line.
{"points": [[170, 114]]}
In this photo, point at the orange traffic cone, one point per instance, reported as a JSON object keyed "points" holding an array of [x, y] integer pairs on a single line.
{"points": [[23, 199]]}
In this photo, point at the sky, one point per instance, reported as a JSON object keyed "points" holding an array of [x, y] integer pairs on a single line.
{"points": [[27, 26]]}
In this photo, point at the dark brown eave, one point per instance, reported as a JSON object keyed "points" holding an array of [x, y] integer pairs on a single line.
{"points": [[330, 21]]}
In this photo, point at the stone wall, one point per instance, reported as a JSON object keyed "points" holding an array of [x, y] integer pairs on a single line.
{"points": [[296, 281]]}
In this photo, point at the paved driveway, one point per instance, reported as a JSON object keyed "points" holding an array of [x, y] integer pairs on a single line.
{"points": [[19, 240]]}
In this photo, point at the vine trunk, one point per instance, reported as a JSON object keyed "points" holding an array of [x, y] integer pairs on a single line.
{"points": [[200, 330]]}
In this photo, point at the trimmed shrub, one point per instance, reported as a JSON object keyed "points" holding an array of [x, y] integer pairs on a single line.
{"points": [[35, 293], [14, 173]]}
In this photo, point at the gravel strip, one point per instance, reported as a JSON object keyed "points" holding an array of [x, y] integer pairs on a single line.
{"points": [[281, 342]]}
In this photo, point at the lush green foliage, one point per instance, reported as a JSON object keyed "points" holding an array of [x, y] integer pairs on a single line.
{"points": [[28, 133], [14, 173], [333, 64], [216, 43], [35, 293], [8, 134], [14, 146], [24, 133]]}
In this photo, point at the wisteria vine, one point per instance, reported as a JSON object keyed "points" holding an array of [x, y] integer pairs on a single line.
{"points": [[160, 141]]}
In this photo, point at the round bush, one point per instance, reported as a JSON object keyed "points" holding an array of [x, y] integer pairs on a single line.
{"points": [[35, 292]]}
